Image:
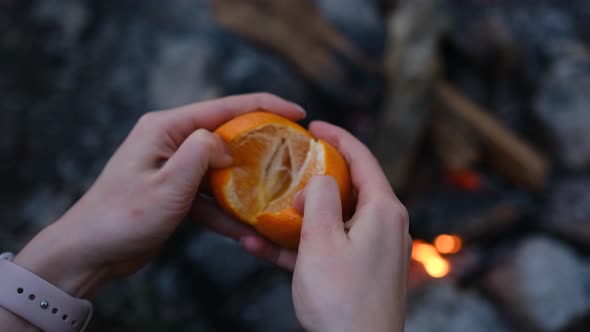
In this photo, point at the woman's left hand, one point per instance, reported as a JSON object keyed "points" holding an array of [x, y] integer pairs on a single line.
{"points": [[148, 187]]}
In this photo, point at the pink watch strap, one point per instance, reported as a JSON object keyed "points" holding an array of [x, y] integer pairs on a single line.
{"points": [[39, 302]]}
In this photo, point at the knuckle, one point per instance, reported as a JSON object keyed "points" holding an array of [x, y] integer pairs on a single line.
{"points": [[206, 138], [306, 234], [403, 215], [382, 206], [263, 98], [392, 213], [149, 120], [202, 135], [321, 181], [402, 218], [159, 179], [320, 231]]}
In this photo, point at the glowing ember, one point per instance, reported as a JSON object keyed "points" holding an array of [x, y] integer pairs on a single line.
{"points": [[448, 244], [437, 268], [433, 263]]}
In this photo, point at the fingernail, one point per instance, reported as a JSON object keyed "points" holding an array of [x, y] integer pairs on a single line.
{"points": [[225, 146], [228, 159], [297, 201], [226, 149]]}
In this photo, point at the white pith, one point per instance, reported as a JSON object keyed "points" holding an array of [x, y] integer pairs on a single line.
{"points": [[272, 166]]}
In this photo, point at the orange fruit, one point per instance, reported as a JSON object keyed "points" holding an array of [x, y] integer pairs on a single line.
{"points": [[273, 159]]}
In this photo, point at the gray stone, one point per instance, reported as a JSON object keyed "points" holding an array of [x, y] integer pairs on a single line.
{"points": [[150, 300], [568, 211], [223, 260], [563, 106], [359, 19], [508, 28], [70, 16], [9, 121], [249, 69], [586, 272], [180, 75], [443, 307], [272, 310], [180, 15], [130, 296], [166, 282], [45, 206], [542, 285]]}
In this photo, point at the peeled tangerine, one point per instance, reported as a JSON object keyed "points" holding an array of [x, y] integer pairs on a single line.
{"points": [[273, 159]]}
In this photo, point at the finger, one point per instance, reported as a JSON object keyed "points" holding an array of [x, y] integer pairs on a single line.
{"points": [[182, 121], [260, 247], [201, 150], [322, 212], [381, 220], [299, 200], [366, 173], [207, 213], [205, 187]]}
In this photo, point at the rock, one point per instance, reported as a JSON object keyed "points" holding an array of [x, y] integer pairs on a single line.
{"points": [[471, 215], [223, 260], [8, 118], [270, 309], [45, 206], [443, 307], [359, 20], [181, 74], [248, 69], [178, 16], [542, 285], [563, 106], [586, 271], [580, 10], [70, 17], [499, 52], [568, 212], [166, 281], [505, 28], [150, 300]]}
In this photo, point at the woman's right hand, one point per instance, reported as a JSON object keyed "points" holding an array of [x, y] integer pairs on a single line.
{"points": [[351, 276]]}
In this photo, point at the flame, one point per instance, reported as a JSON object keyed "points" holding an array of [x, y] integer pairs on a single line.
{"points": [[434, 264], [448, 244]]}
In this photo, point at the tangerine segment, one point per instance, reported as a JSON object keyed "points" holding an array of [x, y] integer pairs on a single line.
{"points": [[273, 159]]}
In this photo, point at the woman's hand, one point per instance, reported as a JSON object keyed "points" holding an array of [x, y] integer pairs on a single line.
{"points": [[144, 192], [351, 276]]}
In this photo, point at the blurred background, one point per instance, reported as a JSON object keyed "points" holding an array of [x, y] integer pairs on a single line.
{"points": [[479, 112]]}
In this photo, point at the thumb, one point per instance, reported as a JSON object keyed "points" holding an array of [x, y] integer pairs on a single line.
{"points": [[201, 150], [322, 211]]}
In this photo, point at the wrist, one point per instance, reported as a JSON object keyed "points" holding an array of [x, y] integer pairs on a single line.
{"points": [[55, 256]]}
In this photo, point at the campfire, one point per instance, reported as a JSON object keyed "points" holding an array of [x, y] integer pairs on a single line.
{"points": [[430, 257], [472, 142], [478, 111]]}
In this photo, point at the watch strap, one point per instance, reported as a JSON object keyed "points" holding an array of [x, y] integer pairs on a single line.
{"points": [[40, 303]]}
